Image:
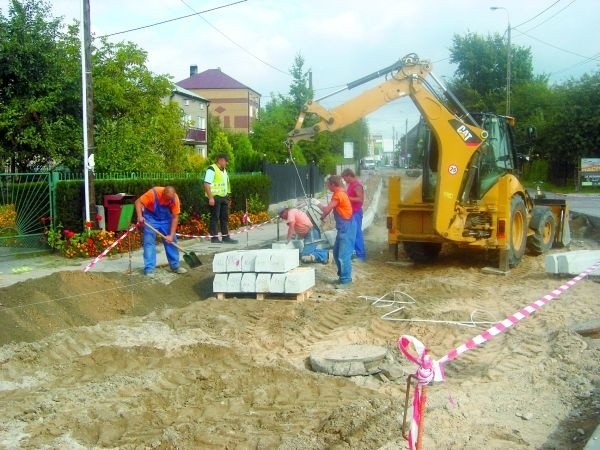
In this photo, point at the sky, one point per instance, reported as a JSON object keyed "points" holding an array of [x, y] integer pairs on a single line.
{"points": [[256, 41]]}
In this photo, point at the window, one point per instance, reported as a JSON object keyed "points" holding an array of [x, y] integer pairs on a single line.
{"points": [[202, 123]]}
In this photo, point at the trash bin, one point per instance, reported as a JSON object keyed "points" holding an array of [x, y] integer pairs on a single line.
{"points": [[118, 209]]}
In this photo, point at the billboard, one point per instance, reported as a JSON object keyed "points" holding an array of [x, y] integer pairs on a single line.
{"points": [[590, 172]]}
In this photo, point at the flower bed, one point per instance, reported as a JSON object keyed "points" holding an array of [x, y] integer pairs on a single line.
{"points": [[90, 242]]}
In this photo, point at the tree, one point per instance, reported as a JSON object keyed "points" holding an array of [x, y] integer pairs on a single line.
{"points": [[39, 98], [136, 129], [246, 159], [571, 126], [482, 65], [41, 107], [301, 88], [270, 131], [220, 144]]}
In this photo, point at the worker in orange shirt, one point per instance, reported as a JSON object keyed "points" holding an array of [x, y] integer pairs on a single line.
{"points": [[346, 230], [159, 207]]}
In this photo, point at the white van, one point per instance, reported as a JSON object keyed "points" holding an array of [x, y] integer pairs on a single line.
{"points": [[368, 162]]}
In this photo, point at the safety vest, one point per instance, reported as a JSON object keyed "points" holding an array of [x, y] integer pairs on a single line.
{"points": [[219, 186]]}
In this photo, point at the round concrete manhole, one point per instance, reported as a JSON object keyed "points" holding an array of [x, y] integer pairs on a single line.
{"points": [[349, 360]]}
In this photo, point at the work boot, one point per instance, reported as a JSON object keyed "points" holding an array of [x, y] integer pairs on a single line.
{"points": [[228, 240], [346, 285], [149, 275], [215, 240], [180, 270], [308, 259]]}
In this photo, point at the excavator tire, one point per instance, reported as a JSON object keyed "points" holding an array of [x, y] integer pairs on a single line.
{"points": [[422, 252], [518, 231], [544, 225]]}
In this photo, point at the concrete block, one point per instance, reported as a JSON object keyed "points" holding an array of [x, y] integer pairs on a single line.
{"points": [[572, 263], [234, 261], [281, 245], [277, 283], [550, 264], [249, 261], [234, 282], [299, 280], [219, 264], [277, 261], [294, 243], [263, 282], [248, 283], [220, 282], [330, 235]]}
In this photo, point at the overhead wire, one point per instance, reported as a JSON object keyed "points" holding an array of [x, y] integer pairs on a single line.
{"points": [[586, 59], [540, 13], [172, 20], [235, 43]]}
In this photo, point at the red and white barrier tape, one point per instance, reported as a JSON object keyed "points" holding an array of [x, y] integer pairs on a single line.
{"points": [[429, 370], [108, 249]]}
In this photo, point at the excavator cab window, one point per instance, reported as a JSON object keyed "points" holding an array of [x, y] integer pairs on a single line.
{"points": [[430, 155], [496, 155]]}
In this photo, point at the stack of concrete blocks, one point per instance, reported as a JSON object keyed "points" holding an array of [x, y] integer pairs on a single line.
{"points": [[261, 272]]}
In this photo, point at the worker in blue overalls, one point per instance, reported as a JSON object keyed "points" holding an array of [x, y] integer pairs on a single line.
{"points": [[160, 208]]}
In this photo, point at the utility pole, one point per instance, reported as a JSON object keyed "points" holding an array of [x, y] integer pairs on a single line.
{"points": [[508, 58], [508, 71], [88, 114]]}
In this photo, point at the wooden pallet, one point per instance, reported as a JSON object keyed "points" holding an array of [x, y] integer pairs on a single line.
{"points": [[266, 295]]}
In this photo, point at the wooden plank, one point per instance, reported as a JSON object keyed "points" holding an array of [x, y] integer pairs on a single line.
{"points": [[300, 297]]}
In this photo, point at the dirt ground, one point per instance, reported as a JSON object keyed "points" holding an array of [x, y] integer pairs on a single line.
{"points": [[106, 360]]}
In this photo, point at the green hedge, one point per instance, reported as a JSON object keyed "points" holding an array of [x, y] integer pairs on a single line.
{"points": [[70, 195]]}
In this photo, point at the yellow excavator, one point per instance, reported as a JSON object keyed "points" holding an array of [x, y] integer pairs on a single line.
{"points": [[468, 193]]}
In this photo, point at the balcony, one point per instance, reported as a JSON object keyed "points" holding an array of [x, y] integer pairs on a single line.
{"points": [[195, 136]]}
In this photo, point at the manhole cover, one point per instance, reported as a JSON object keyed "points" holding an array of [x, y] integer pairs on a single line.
{"points": [[349, 360]]}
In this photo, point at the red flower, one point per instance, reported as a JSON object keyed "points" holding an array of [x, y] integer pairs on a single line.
{"points": [[98, 217], [90, 241], [88, 224]]}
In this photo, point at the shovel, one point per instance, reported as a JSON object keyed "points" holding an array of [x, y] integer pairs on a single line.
{"points": [[190, 258]]}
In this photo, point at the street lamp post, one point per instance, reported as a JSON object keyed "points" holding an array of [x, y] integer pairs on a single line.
{"points": [[508, 58]]}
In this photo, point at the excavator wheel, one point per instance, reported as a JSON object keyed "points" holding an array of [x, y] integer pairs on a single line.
{"points": [[544, 224], [518, 231], [422, 252]]}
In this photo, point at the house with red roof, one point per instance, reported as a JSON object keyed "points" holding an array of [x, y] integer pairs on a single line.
{"points": [[234, 103]]}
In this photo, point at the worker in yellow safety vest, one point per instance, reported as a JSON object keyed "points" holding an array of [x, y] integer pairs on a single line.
{"points": [[217, 189]]}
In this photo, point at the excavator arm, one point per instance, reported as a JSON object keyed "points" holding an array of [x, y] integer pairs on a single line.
{"points": [[401, 75]]}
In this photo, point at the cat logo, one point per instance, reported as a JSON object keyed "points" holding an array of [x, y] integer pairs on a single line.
{"points": [[467, 135]]}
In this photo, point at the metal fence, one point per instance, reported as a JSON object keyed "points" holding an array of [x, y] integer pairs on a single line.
{"points": [[289, 181], [131, 176], [26, 206]]}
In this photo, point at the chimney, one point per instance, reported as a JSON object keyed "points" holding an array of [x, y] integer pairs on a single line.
{"points": [[193, 70]]}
